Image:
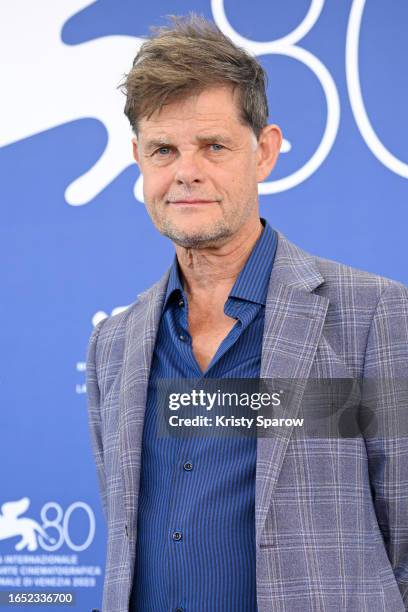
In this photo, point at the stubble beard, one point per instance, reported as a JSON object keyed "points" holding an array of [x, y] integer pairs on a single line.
{"points": [[219, 232]]}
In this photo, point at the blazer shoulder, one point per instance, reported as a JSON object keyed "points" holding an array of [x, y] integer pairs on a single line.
{"points": [[108, 337], [366, 288], [342, 284], [107, 340]]}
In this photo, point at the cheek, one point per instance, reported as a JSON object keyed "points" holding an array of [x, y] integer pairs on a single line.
{"points": [[239, 182], [242, 174], [155, 184]]}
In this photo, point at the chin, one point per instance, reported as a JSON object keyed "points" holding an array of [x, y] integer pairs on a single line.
{"points": [[199, 238], [188, 239]]}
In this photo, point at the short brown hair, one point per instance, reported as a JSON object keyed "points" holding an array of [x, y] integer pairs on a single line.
{"points": [[186, 58]]}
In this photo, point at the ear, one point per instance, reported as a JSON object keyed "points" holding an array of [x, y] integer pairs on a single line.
{"points": [[269, 144], [135, 150]]}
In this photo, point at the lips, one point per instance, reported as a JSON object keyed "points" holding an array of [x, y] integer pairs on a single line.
{"points": [[190, 201]]}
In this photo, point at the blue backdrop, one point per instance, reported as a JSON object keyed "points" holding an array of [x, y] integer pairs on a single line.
{"points": [[72, 214]]}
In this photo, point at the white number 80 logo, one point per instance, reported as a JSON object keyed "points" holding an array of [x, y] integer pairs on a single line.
{"points": [[287, 46], [61, 522]]}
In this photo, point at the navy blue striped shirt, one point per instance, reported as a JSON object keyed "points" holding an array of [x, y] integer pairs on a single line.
{"points": [[195, 547]]}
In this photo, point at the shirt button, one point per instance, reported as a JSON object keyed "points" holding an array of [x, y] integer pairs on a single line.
{"points": [[188, 466], [177, 535], [182, 337], [181, 303]]}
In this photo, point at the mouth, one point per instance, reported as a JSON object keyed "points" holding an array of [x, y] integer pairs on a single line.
{"points": [[192, 202]]}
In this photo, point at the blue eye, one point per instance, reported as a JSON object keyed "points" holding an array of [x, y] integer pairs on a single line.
{"points": [[163, 150], [218, 146]]}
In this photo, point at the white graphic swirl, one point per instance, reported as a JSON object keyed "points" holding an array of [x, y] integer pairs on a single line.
{"points": [[356, 97], [50, 83]]}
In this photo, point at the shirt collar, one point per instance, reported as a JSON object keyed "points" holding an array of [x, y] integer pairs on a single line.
{"points": [[253, 280], [174, 285]]}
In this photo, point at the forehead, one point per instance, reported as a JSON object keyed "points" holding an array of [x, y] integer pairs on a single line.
{"points": [[216, 107]]}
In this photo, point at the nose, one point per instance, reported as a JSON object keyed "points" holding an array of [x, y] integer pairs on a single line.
{"points": [[188, 169]]}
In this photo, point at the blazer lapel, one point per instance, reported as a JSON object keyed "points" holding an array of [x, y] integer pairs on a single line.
{"points": [[141, 331], [294, 319]]}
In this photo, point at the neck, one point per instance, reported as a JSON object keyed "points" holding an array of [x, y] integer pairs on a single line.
{"points": [[214, 270]]}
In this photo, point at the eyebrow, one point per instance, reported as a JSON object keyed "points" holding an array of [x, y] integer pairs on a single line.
{"points": [[214, 138], [156, 143]]}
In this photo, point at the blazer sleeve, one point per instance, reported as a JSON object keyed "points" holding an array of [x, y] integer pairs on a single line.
{"points": [[386, 361], [94, 415]]}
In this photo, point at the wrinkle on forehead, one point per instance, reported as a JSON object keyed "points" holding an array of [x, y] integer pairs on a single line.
{"points": [[211, 112]]}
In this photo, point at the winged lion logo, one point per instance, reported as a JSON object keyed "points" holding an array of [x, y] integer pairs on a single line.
{"points": [[12, 524]]}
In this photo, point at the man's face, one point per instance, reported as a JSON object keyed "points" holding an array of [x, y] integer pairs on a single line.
{"points": [[200, 167]]}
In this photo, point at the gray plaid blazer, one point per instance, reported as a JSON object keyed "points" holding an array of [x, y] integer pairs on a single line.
{"points": [[331, 516]]}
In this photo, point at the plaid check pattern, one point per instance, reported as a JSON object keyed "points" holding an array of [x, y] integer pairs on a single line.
{"points": [[331, 515]]}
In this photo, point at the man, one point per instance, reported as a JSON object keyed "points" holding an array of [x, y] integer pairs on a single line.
{"points": [[251, 523]]}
